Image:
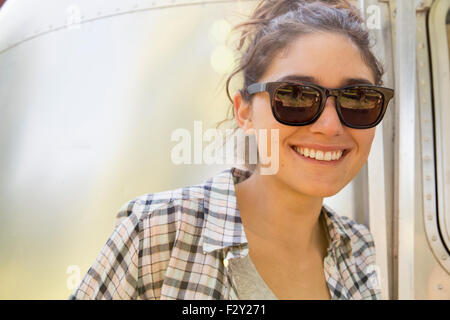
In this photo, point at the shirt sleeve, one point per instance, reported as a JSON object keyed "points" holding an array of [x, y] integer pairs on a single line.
{"points": [[114, 273]]}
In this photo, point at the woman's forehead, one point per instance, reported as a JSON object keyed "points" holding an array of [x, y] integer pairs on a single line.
{"points": [[345, 81], [328, 58]]}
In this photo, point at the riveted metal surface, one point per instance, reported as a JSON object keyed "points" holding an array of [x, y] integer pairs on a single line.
{"points": [[429, 210], [441, 81], [430, 255]]}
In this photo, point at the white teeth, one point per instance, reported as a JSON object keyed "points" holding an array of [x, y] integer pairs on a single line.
{"points": [[306, 152], [319, 154]]}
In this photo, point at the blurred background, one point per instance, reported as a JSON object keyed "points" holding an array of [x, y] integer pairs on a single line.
{"points": [[91, 93]]}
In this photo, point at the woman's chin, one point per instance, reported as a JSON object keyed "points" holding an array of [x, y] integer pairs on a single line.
{"points": [[318, 190], [323, 193]]}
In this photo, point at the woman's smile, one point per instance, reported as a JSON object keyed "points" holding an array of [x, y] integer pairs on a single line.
{"points": [[331, 156]]}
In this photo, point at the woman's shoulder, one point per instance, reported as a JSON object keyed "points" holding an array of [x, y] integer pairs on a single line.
{"points": [[182, 203], [160, 204], [158, 216]]}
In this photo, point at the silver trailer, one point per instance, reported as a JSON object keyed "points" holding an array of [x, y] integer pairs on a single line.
{"points": [[93, 95]]}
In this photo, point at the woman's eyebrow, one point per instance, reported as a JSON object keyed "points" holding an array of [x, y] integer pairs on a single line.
{"points": [[310, 79]]}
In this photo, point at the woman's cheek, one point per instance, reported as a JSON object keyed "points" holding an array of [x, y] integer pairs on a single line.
{"points": [[368, 141], [364, 139]]}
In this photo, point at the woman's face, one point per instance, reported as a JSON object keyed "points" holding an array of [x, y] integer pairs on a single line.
{"points": [[332, 61]]}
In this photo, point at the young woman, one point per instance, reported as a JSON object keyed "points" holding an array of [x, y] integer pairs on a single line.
{"points": [[308, 73]]}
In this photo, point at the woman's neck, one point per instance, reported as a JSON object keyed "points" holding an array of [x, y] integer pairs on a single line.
{"points": [[274, 212]]}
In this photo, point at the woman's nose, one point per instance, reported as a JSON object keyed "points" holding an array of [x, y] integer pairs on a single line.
{"points": [[328, 122]]}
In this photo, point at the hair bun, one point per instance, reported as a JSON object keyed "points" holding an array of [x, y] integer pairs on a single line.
{"points": [[267, 10]]}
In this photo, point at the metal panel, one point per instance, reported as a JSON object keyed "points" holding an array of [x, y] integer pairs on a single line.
{"points": [[441, 84], [405, 73], [426, 265], [430, 280], [91, 92]]}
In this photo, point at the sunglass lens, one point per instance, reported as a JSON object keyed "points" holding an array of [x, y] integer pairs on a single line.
{"points": [[296, 103], [361, 106]]}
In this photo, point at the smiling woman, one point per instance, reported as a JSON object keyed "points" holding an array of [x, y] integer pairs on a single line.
{"points": [[310, 76]]}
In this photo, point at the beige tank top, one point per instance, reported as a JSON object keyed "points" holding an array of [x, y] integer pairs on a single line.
{"points": [[248, 283]]}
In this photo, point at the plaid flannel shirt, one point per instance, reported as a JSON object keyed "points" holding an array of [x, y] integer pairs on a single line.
{"points": [[176, 245]]}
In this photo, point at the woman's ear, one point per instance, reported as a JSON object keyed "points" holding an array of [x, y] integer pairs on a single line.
{"points": [[242, 113]]}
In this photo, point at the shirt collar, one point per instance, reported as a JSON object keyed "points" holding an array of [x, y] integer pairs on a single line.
{"points": [[223, 225], [339, 234]]}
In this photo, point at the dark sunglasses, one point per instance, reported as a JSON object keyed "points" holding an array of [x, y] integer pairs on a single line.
{"points": [[298, 104]]}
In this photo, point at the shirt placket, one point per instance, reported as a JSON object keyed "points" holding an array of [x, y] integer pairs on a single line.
{"points": [[231, 253]]}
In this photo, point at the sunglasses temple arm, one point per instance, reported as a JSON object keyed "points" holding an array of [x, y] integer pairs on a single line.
{"points": [[256, 87]]}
